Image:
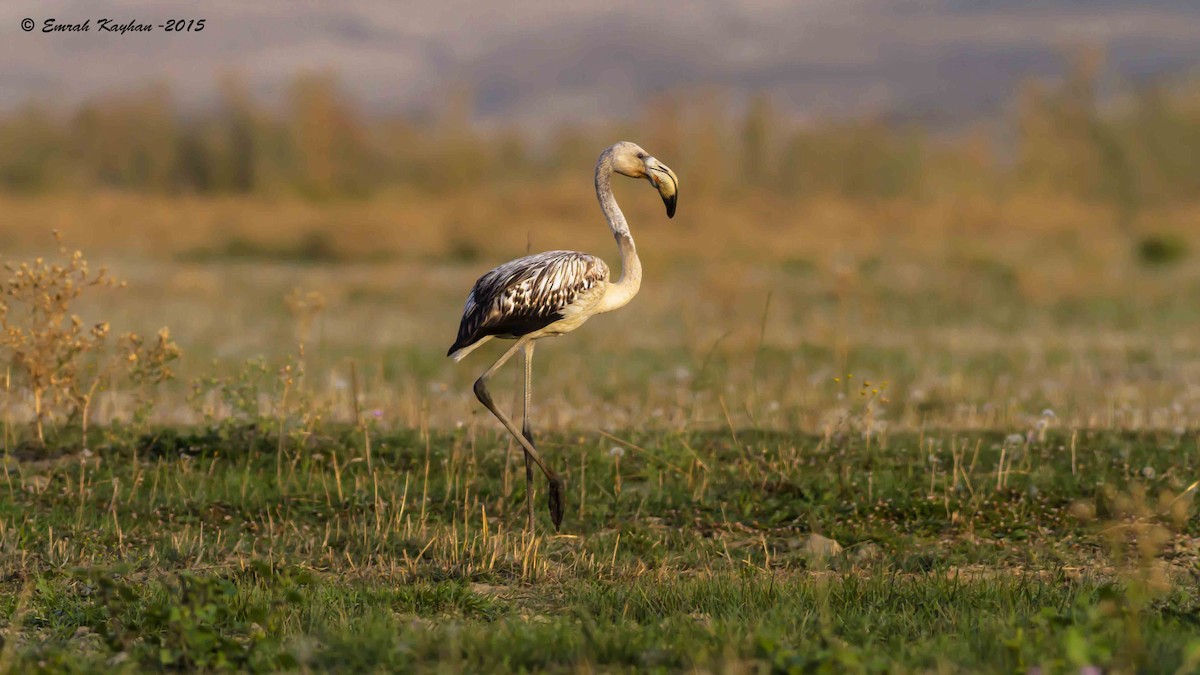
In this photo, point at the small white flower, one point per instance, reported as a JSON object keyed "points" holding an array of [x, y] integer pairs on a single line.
{"points": [[1014, 439], [1049, 414], [1149, 473], [616, 451]]}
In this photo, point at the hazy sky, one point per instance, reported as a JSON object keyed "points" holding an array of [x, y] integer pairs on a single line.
{"points": [[533, 60]]}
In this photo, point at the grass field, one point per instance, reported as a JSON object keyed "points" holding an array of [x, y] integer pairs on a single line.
{"points": [[679, 551], [838, 437]]}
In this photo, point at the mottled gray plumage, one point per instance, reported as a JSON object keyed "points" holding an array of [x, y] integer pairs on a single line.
{"points": [[527, 294]]}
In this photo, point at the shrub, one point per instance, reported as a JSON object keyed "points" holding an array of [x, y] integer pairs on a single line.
{"points": [[1160, 249], [57, 358]]}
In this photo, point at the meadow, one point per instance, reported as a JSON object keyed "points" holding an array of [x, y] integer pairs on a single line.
{"points": [[817, 445], [934, 426]]}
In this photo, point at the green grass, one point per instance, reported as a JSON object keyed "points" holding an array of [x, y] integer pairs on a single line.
{"points": [[223, 548]]}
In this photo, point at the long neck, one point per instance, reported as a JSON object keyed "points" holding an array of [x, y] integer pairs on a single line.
{"points": [[620, 292]]}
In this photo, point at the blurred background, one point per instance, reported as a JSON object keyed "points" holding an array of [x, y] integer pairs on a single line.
{"points": [[991, 207]]}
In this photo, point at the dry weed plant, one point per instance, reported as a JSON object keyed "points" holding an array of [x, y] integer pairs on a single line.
{"points": [[305, 308], [56, 358], [864, 419], [246, 397], [1140, 531]]}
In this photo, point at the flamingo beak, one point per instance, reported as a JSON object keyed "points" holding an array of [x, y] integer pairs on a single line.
{"points": [[664, 179]]}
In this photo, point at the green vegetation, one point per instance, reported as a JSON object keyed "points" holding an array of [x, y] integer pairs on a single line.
{"points": [[1162, 250], [226, 549]]}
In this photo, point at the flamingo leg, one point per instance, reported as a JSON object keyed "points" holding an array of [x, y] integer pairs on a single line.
{"points": [[481, 392], [527, 432]]}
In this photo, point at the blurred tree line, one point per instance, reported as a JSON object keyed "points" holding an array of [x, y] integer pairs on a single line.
{"points": [[1131, 150]]}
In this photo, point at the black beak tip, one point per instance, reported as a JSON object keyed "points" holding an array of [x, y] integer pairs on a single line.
{"points": [[670, 206]]}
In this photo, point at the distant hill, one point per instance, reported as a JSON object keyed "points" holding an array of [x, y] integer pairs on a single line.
{"points": [[531, 61]]}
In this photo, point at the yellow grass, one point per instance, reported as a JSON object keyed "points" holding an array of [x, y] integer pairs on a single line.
{"points": [[979, 312]]}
